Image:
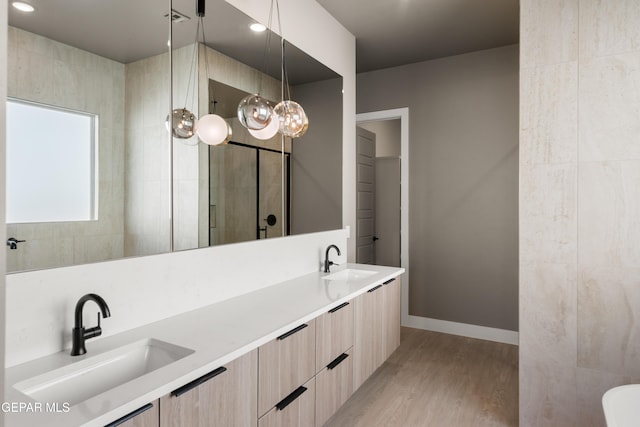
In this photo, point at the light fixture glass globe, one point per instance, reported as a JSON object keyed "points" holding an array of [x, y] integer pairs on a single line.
{"points": [[181, 123], [292, 120], [268, 132], [254, 112], [213, 129]]}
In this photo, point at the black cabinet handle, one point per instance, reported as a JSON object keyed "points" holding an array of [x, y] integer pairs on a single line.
{"points": [[131, 415], [334, 309], [374, 289], [338, 360], [195, 383], [389, 281], [289, 399], [293, 331]]}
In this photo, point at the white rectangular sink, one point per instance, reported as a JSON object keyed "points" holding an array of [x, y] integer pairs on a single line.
{"points": [[349, 275], [87, 378]]}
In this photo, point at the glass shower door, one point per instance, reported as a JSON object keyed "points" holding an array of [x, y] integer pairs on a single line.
{"points": [[245, 197]]}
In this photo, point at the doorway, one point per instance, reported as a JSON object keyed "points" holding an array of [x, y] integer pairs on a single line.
{"points": [[388, 161], [378, 203]]}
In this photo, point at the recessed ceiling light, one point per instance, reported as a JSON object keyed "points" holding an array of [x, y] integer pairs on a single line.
{"points": [[22, 6], [257, 27]]}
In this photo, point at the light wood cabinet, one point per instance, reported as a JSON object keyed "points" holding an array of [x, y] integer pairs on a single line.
{"points": [[284, 364], [377, 328], [391, 316], [368, 349], [224, 397], [334, 334], [146, 416], [295, 410], [334, 385], [331, 356]]}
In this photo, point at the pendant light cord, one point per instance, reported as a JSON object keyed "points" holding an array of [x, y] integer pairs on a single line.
{"points": [[267, 50], [211, 108], [284, 76], [192, 69]]}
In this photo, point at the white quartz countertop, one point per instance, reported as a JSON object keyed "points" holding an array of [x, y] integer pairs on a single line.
{"points": [[217, 333]]}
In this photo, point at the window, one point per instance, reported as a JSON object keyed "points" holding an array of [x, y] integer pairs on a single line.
{"points": [[51, 163]]}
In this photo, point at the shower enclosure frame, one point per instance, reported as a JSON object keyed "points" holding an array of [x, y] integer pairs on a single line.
{"points": [[287, 186]]}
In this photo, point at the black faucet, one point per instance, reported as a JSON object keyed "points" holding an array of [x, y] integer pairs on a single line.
{"points": [[328, 263], [79, 333]]}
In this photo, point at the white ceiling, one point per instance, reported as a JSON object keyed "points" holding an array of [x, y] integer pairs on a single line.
{"points": [[397, 32]]}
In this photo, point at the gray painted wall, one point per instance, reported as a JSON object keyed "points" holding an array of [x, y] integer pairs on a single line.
{"points": [[463, 182], [316, 160]]}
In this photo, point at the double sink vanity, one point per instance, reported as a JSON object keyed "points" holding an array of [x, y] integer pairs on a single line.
{"points": [[288, 355]]}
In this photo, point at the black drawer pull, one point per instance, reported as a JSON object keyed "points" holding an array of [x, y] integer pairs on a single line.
{"points": [[293, 331], [195, 383], [289, 399], [389, 281], [334, 309], [338, 360], [131, 415], [374, 289]]}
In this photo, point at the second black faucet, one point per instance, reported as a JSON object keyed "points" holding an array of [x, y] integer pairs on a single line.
{"points": [[328, 263]]}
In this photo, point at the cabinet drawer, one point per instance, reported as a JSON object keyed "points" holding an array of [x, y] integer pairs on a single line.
{"points": [[226, 397], [334, 385], [146, 416], [284, 364], [296, 410], [334, 334], [391, 316]]}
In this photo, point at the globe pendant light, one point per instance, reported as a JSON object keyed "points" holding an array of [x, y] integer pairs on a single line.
{"points": [[254, 112], [268, 132], [181, 123], [292, 120], [213, 129]]}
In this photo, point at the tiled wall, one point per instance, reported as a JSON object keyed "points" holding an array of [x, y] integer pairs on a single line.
{"points": [[147, 157], [45, 71], [579, 207]]}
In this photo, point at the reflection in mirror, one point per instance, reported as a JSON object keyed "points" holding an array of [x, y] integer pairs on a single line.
{"points": [[245, 179], [107, 60], [111, 60], [240, 184]]}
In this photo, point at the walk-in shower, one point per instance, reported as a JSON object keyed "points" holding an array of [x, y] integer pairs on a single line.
{"points": [[246, 193]]}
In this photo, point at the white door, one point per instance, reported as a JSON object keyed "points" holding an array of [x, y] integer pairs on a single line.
{"points": [[365, 196], [387, 208]]}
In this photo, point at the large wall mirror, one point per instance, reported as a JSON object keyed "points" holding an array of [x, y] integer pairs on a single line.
{"points": [[108, 65]]}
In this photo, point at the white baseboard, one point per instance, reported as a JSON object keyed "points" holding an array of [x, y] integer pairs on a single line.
{"points": [[462, 329]]}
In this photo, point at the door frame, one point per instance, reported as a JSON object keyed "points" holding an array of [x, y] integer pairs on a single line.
{"points": [[403, 115]]}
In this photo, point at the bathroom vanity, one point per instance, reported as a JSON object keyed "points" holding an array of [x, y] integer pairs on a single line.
{"points": [[288, 355]]}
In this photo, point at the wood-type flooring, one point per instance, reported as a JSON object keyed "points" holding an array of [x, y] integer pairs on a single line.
{"points": [[438, 380]]}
